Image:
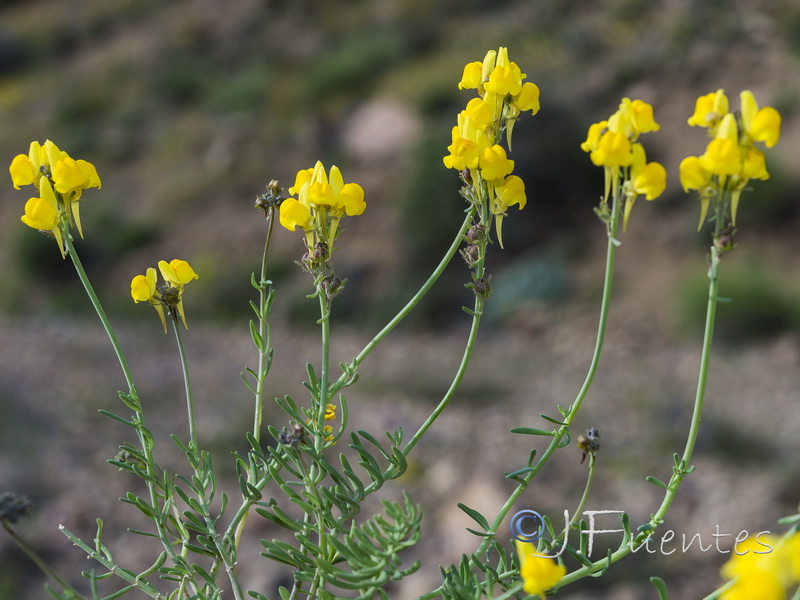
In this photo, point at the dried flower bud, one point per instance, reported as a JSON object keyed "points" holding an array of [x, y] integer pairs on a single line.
{"points": [[471, 254], [332, 286], [589, 443], [272, 198]]}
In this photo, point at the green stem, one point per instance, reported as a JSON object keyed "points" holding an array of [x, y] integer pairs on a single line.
{"points": [[187, 387], [73, 254], [437, 272], [39, 561], [144, 435], [584, 498], [678, 473], [462, 369], [262, 331], [558, 436]]}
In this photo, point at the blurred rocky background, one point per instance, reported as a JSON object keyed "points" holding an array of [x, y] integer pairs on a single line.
{"points": [[189, 108]]}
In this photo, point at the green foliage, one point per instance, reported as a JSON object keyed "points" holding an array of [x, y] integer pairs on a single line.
{"points": [[761, 304], [354, 63]]}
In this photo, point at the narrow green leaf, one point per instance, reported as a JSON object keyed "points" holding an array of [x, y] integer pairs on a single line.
{"points": [[661, 587], [532, 431], [256, 337], [116, 417], [656, 482], [551, 419], [474, 515]]}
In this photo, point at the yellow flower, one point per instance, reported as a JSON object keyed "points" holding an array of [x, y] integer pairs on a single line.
{"points": [[709, 109], [538, 574], [764, 568], [176, 273], [323, 198], [22, 171], [511, 192], [143, 289], [64, 175], [471, 79], [613, 150], [494, 163], [528, 98], [330, 412], [293, 213]]}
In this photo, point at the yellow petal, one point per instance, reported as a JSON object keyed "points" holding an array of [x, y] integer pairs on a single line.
{"points": [[22, 171]]}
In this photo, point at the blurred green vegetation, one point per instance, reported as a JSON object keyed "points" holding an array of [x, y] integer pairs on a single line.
{"points": [[758, 301]]}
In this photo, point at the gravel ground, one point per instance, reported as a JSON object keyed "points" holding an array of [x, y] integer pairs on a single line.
{"points": [[56, 372]]}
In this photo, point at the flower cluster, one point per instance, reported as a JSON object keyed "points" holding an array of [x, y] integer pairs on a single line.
{"points": [[613, 144], [538, 574], [176, 274], [475, 148], [323, 198], [60, 180], [764, 574], [731, 158]]}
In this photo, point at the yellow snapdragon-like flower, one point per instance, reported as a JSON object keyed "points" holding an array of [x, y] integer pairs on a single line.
{"points": [[612, 144], [176, 274], [60, 180], [765, 567], [709, 110], [323, 198], [475, 150], [538, 574], [731, 160]]}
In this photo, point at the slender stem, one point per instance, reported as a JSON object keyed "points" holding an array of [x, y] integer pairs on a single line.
{"points": [[558, 436], [262, 330], [584, 498], [187, 387], [679, 473], [437, 272], [462, 369], [73, 254], [39, 561]]}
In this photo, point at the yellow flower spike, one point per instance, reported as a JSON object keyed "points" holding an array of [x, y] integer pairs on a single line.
{"points": [[22, 171], [538, 574], [494, 163], [471, 79]]}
